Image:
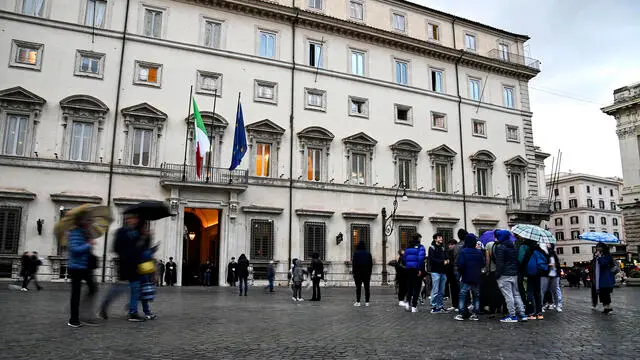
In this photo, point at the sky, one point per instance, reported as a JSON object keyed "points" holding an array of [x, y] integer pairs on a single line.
{"points": [[587, 48]]}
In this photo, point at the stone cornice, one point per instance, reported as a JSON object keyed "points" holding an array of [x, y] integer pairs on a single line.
{"points": [[259, 209], [66, 165], [120, 201], [444, 220], [314, 212], [76, 198], [359, 215], [16, 194], [408, 218], [485, 222]]}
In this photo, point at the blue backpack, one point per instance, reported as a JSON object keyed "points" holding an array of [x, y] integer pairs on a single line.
{"points": [[537, 264]]}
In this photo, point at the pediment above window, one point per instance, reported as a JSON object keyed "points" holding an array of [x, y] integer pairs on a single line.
{"points": [[143, 115], [265, 131], [360, 142], [20, 99], [442, 153], [406, 148], [217, 122], [83, 106], [316, 136], [483, 158], [516, 162]]}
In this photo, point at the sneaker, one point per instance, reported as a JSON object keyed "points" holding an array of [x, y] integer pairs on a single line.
{"points": [[414, 310], [532, 317], [90, 322], [402, 303], [24, 289], [540, 317], [558, 309], [135, 318], [446, 311], [407, 306], [301, 299], [594, 307], [436, 311], [356, 304], [474, 317], [450, 308], [150, 316], [294, 299], [607, 311], [459, 317], [74, 324], [509, 319], [366, 304], [523, 318]]}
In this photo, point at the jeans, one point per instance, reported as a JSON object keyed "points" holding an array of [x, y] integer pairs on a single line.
{"points": [[464, 290], [533, 293], [77, 275], [297, 290], [134, 287], [552, 284], [207, 279], [360, 280], [438, 282], [270, 285], [316, 289], [246, 285], [509, 287], [414, 283]]}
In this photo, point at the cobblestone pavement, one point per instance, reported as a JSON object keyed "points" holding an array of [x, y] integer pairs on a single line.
{"points": [[198, 323]]}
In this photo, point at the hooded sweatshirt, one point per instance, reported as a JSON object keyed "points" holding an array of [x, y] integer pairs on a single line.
{"points": [[506, 254], [470, 261], [459, 246], [437, 256], [362, 261]]}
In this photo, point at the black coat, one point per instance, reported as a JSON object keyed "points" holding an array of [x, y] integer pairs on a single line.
{"points": [[362, 264], [171, 272], [232, 275], [34, 264], [243, 268], [128, 247], [318, 268], [25, 265]]}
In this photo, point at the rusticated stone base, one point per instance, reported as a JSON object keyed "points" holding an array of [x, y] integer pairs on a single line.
{"points": [[631, 216]]}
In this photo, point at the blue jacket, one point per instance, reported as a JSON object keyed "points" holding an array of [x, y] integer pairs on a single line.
{"points": [[506, 254], [470, 261], [607, 279], [79, 250], [436, 257], [414, 257]]}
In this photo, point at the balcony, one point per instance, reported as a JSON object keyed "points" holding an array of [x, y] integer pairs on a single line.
{"points": [[514, 59], [528, 211], [185, 175]]}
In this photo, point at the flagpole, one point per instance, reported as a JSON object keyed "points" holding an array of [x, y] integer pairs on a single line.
{"points": [[186, 137], [215, 100]]}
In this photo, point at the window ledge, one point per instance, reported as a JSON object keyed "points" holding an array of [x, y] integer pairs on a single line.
{"points": [[313, 108], [25, 66], [140, 83], [480, 136], [265, 101], [363, 116], [439, 129], [402, 122], [89, 75]]}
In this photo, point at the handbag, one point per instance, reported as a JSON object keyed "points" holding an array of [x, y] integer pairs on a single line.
{"points": [[146, 267], [92, 264]]}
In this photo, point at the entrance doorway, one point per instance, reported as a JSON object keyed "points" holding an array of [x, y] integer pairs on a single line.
{"points": [[201, 243]]}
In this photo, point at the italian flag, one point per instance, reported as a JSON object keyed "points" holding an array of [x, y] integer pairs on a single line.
{"points": [[201, 139]]}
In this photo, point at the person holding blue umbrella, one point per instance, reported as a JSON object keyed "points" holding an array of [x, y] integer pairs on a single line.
{"points": [[602, 275]]}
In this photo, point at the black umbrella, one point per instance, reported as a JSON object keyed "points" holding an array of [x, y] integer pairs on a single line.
{"points": [[149, 210]]}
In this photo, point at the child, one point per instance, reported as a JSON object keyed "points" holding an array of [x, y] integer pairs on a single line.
{"points": [[297, 277]]}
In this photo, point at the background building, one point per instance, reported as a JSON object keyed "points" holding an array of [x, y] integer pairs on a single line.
{"points": [[344, 101], [625, 107], [583, 203]]}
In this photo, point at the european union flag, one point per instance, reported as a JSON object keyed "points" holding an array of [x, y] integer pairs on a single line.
{"points": [[239, 139]]}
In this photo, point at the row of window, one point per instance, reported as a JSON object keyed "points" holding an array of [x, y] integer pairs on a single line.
{"points": [[574, 250], [575, 234], [572, 190], [592, 220], [573, 203]]}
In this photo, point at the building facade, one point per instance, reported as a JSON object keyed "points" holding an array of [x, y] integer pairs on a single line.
{"points": [[626, 110], [583, 203], [346, 104]]}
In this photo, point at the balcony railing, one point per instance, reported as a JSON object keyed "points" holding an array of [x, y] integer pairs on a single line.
{"points": [[210, 175], [514, 58], [538, 205]]}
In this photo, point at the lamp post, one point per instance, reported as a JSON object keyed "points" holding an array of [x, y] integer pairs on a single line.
{"points": [[387, 228]]}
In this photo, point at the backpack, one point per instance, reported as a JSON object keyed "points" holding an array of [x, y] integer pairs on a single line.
{"points": [[537, 264], [615, 268], [427, 263]]}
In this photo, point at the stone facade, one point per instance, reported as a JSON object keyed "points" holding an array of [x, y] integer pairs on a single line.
{"points": [[583, 203], [341, 117], [626, 110]]}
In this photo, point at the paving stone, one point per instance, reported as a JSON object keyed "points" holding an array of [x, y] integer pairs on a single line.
{"points": [[197, 323]]}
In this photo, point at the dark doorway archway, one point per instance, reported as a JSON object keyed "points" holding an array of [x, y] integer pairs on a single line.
{"points": [[201, 243]]}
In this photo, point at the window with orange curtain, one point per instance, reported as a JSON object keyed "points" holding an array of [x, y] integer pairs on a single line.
{"points": [[314, 164], [360, 232], [153, 75], [263, 154]]}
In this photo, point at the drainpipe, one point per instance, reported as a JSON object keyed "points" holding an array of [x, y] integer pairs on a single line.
{"points": [[464, 194], [113, 136], [293, 73]]}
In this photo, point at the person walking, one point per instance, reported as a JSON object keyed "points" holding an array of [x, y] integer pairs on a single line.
{"points": [[438, 261], [551, 282], [297, 277], [362, 263], [602, 278], [208, 269], [232, 277], [271, 276], [25, 266], [171, 272], [34, 266], [317, 274], [506, 258], [401, 278], [470, 264], [243, 274], [80, 247], [414, 259], [452, 280]]}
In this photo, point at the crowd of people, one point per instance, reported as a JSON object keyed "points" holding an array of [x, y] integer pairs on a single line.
{"points": [[517, 279]]}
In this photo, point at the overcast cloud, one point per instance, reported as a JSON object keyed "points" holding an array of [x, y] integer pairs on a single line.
{"points": [[587, 48]]}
